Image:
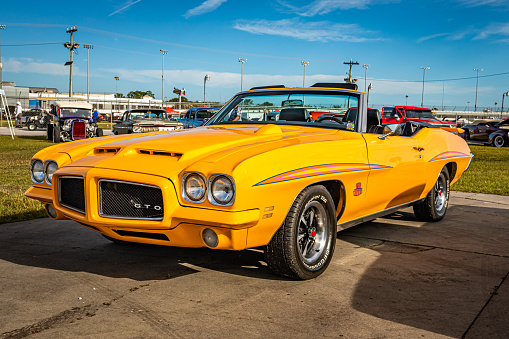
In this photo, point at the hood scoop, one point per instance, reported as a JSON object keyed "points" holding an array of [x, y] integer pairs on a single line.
{"points": [[106, 150], [164, 153]]}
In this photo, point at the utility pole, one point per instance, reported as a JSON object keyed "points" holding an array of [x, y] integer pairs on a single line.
{"points": [[423, 74], [205, 79], [304, 63], [502, 109], [88, 47], [71, 46], [476, 86], [349, 80], [242, 60], [116, 98], [366, 66], [1, 66], [163, 52]]}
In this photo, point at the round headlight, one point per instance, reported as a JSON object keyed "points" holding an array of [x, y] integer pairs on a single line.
{"points": [[50, 168], [195, 188], [37, 170], [222, 190]]}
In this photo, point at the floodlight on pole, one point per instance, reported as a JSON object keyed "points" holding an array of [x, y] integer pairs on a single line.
{"points": [[116, 97], [366, 66], [406, 100], [88, 47], [505, 94], [424, 68], [205, 79], [1, 66], [163, 52], [71, 45], [304, 63], [476, 86], [242, 60]]}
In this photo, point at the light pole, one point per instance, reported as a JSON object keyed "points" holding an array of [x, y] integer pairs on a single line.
{"points": [[88, 47], [468, 105], [242, 60], [71, 45], [304, 63], [369, 88], [163, 52], [366, 66], [1, 66], [502, 109], [406, 100], [476, 86], [423, 74], [207, 78], [116, 99]]}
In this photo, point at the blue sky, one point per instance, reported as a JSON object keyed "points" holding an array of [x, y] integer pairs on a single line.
{"points": [[394, 37]]}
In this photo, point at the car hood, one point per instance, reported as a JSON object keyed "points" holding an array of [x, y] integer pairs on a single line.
{"points": [[168, 153]]}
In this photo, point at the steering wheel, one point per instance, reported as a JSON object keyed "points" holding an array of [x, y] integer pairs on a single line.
{"points": [[320, 119]]}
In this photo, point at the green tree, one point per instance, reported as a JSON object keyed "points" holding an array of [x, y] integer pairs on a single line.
{"points": [[119, 95], [183, 99], [266, 103], [140, 94]]}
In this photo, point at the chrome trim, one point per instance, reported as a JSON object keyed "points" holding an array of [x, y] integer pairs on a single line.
{"points": [[183, 188], [129, 183], [59, 192], [210, 197], [32, 170], [469, 162], [373, 216], [46, 164]]}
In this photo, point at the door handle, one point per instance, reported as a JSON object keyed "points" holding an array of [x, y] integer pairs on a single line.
{"points": [[420, 149]]}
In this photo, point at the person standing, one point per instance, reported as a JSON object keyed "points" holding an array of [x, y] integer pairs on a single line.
{"points": [[19, 113]]}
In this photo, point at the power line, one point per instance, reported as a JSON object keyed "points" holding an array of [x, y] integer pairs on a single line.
{"points": [[30, 44]]}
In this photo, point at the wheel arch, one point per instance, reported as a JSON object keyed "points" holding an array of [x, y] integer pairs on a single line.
{"points": [[452, 168]]}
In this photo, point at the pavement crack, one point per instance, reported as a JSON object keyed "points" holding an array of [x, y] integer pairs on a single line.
{"points": [[75, 313], [429, 246], [492, 294]]}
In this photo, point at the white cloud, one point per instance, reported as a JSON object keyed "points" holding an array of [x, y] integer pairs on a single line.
{"points": [[29, 65], [321, 7], [429, 37], [476, 3], [311, 31], [205, 7], [126, 6], [494, 29]]}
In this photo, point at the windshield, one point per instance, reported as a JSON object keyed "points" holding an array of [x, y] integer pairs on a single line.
{"points": [[149, 115], [204, 114], [417, 114], [285, 107], [75, 112]]}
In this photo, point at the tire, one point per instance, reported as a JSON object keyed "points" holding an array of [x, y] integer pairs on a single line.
{"points": [[49, 132], [498, 141], [56, 134], [32, 127], [99, 132], [303, 246], [434, 206], [115, 132]]}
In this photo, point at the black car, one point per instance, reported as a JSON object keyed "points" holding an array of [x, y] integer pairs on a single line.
{"points": [[495, 133], [35, 118]]}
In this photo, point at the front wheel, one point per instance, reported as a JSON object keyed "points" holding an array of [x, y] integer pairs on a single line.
{"points": [[99, 132], [32, 127], [302, 248], [434, 206], [498, 141]]}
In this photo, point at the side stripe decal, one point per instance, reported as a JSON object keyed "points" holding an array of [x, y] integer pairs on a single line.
{"points": [[449, 155]]}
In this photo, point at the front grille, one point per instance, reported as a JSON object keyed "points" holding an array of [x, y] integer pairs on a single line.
{"points": [[79, 130], [128, 200], [71, 193]]}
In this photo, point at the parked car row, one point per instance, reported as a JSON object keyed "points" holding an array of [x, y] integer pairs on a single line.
{"points": [[490, 132]]}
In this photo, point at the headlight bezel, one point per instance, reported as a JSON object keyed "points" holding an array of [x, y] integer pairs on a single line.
{"points": [[46, 175], [210, 190], [32, 164], [184, 192]]}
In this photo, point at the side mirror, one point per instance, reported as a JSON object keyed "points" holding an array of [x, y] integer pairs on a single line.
{"points": [[398, 119]]}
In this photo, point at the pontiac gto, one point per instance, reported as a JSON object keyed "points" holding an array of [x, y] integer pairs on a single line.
{"points": [[243, 181]]}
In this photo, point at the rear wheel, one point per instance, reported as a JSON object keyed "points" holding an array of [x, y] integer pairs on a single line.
{"points": [[434, 206], [498, 141], [31, 127], [99, 132], [302, 248]]}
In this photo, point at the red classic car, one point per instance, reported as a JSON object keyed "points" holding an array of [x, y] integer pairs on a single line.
{"points": [[402, 114]]}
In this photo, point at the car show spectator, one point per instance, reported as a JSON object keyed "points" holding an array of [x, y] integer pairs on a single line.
{"points": [[95, 115], [19, 111]]}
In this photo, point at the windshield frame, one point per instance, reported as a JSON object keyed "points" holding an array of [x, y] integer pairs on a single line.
{"points": [[360, 96]]}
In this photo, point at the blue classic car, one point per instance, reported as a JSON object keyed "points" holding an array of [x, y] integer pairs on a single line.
{"points": [[197, 116]]}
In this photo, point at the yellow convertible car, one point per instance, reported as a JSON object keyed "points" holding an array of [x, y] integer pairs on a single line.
{"points": [[261, 172]]}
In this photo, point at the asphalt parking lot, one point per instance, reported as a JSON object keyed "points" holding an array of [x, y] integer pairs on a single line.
{"points": [[393, 277]]}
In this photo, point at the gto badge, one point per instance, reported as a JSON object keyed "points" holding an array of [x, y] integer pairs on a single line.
{"points": [[146, 206], [358, 189]]}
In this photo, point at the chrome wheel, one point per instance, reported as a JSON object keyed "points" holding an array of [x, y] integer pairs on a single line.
{"points": [[440, 193], [311, 238], [498, 141]]}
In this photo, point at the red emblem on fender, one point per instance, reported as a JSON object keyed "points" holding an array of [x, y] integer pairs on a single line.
{"points": [[358, 189]]}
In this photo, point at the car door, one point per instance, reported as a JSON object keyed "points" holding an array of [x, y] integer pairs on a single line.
{"points": [[125, 123], [391, 115], [397, 170], [479, 133]]}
